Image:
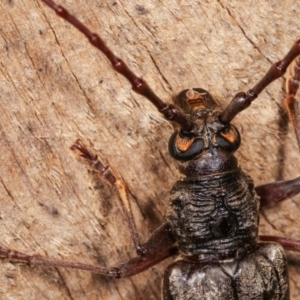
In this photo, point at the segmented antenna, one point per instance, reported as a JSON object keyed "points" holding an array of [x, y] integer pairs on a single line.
{"points": [[140, 86], [242, 100]]}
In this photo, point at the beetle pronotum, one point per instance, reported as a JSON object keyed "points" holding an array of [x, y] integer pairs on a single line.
{"points": [[210, 82]]}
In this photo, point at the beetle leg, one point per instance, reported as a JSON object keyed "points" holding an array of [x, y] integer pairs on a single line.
{"points": [[286, 243], [292, 86], [277, 191], [281, 190], [106, 174], [159, 247]]}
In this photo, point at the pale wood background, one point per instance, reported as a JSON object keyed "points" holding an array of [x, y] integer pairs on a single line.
{"points": [[56, 88]]}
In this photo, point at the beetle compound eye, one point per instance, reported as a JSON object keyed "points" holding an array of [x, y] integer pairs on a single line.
{"points": [[184, 148], [183, 144], [229, 138]]}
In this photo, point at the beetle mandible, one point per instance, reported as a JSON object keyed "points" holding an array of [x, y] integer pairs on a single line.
{"points": [[187, 145]]}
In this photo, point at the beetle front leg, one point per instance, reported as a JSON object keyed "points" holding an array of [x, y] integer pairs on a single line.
{"points": [[106, 174]]}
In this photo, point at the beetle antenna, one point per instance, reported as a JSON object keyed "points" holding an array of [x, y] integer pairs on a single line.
{"points": [[140, 86], [242, 100]]}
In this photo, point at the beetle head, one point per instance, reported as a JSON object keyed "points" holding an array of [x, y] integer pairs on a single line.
{"points": [[209, 145]]}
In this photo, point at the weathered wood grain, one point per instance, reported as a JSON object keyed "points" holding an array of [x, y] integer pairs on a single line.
{"points": [[56, 88]]}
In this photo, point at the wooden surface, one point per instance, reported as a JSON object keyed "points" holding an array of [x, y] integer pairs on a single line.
{"points": [[56, 88]]}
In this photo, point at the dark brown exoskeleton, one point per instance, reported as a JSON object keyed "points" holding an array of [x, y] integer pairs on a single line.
{"points": [[212, 220]]}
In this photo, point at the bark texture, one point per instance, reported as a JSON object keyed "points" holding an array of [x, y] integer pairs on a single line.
{"points": [[55, 88]]}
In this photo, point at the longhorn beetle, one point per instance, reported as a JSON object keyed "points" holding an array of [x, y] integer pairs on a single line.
{"points": [[212, 220]]}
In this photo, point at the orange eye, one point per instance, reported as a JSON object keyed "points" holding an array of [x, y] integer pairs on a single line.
{"points": [[183, 144], [184, 148], [230, 135], [229, 139]]}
